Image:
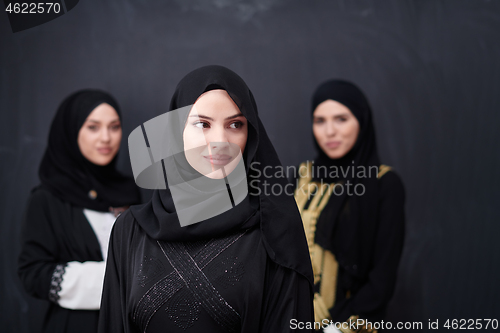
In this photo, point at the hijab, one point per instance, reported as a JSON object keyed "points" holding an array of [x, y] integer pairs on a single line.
{"points": [[276, 215], [67, 174], [357, 213]]}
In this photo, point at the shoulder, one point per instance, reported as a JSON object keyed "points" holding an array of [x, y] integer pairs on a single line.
{"points": [[303, 170], [391, 185], [391, 179], [42, 197], [125, 227], [126, 236], [45, 210], [124, 222], [41, 193], [304, 166]]}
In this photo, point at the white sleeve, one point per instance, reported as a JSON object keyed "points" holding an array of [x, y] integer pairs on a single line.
{"points": [[81, 286], [101, 223], [331, 329]]}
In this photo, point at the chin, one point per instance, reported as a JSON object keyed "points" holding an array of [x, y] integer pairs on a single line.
{"points": [[102, 161], [336, 155], [215, 175]]}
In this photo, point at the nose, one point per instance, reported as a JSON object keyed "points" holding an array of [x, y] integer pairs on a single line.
{"points": [[105, 137], [217, 138], [331, 130]]}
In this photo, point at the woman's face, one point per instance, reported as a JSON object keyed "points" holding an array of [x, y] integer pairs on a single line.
{"points": [[100, 136], [215, 134], [335, 128]]}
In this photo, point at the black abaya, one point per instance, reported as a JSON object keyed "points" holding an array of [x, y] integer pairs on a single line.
{"points": [[244, 270], [361, 234], [142, 292], [55, 230]]}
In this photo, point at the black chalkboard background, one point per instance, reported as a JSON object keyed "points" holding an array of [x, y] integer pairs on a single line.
{"points": [[431, 70]]}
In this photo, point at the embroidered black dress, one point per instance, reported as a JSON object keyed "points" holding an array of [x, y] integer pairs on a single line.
{"points": [[246, 269], [224, 284]]}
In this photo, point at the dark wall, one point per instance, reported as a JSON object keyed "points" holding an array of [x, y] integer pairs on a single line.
{"points": [[429, 68]]}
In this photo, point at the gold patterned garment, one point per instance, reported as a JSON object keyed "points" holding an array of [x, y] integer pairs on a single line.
{"points": [[312, 197]]}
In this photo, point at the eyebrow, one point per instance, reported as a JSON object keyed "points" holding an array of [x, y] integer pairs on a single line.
{"points": [[98, 122], [205, 117], [336, 116]]}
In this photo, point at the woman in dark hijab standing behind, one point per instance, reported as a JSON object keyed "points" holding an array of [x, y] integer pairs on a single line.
{"points": [[241, 264], [352, 209], [70, 215]]}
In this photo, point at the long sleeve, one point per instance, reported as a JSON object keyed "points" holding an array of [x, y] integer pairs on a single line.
{"points": [[287, 302], [113, 314], [370, 301], [60, 260], [81, 285], [38, 257]]}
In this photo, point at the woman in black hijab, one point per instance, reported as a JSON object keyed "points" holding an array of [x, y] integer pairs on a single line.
{"points": [[69, 216], [205, 255], [352, 209]]}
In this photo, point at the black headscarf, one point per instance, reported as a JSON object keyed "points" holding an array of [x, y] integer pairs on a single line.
{"points": [[277, 215], [357, 214], [67, 174]]}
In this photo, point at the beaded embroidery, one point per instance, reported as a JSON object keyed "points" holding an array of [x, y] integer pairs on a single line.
{"points": [[151, 268], [187, 288], [227, 273], [182, 309]]}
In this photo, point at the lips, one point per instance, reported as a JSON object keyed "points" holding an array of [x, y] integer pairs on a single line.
{"points": [[333, 144], [218, 159], [105, 151]]}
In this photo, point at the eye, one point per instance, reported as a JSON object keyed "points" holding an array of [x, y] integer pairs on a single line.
{"points": [[342, 119], [318, 121], [201, 124], [115, 127], [93, 128], [236, 125]]}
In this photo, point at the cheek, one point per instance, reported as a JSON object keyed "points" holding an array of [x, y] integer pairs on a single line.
{"points": [[317, 133], [193, 138], [117, 137], [351, 131], [241, 140], [85, 141]]}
